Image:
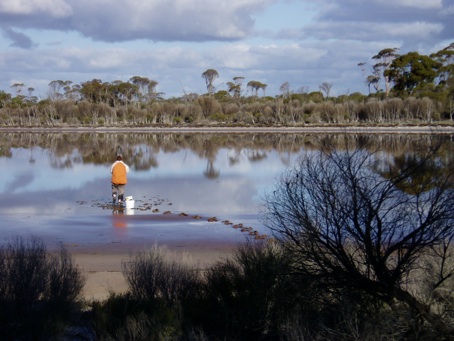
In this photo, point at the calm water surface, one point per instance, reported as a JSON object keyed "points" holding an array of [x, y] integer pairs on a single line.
{"points": [[57, 186]]}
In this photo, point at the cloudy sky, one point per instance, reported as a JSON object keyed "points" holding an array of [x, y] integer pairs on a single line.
{"points": [[302, 42]]}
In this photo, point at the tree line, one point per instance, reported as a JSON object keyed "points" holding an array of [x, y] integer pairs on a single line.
{"points": [[409, 88]]}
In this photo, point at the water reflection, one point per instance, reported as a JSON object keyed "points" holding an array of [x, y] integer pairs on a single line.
{"points": [[53, 182]]}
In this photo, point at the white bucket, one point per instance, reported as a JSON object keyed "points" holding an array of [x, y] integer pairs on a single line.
{"points": [[129, 202]]}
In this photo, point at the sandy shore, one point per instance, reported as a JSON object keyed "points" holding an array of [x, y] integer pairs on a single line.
{"points": [[102, 265]]}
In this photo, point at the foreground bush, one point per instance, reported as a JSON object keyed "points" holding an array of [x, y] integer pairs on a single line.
{"points": [[39, 290], [258, 294], [253, 295], [161, 293]]}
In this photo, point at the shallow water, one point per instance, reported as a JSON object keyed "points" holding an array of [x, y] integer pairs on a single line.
{"points": [[62, 194], [57, 185]]}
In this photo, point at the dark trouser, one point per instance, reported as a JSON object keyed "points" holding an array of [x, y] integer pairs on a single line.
{"points": [[118, 191]]}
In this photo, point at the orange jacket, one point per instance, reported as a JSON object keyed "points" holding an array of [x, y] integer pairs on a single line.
{"points": [[118, 171]]}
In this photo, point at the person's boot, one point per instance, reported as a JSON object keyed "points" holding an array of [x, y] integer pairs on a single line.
{"points": [[120, 199], [114, 198]]}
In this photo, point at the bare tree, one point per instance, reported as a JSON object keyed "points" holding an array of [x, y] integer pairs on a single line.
{"points": [[303, 89], [325, 87], [285, 89], [355, 222]]}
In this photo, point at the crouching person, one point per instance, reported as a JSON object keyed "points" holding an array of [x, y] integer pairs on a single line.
{"points": [[119, 170]]}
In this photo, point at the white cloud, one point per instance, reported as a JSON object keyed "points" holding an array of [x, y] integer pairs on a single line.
{"points": [[422, 4], [174, 41], [372, 30], [158, 20], [54, 8]]}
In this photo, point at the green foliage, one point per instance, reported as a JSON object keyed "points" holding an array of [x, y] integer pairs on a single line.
{"points": [[219, 117], [209, 105], [315, 96], [222, 96], [412, 71], [4, 98], [255, 86]]}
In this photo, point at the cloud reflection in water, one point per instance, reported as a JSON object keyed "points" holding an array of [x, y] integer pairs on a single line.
{"points": [[59, 201]]}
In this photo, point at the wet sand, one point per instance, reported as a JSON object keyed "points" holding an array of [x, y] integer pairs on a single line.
{"points": [[102, 264]]}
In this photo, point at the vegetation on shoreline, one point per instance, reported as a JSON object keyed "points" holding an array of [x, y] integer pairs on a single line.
{"points": [[418, 89]]}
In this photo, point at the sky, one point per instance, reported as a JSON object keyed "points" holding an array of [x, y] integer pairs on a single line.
{"points": [[302, 42]]}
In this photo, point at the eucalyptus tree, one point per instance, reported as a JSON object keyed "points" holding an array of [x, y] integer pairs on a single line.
{"points": [[255, 86], [446, 75], [31, 97], [93, 90], [385, 58], [446, 58], [126, 92], [210, 75], [152, 93], [72, 92], [235, 87], [263, 87], [411, 71], [56, 86], [18, 87], [373, 80], [146, 87]]}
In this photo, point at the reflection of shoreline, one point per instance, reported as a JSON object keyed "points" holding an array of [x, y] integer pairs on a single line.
{"points": [[142, 145], [401, 129]]}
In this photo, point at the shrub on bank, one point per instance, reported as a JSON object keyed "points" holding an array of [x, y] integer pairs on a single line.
{"points": [[255, 295], [39, 291]]}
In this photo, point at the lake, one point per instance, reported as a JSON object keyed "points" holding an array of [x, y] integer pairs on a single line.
{"points": [[186, 186]]}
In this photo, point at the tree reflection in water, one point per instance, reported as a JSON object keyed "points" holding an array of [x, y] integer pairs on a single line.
{"points": [[46, 174]]}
